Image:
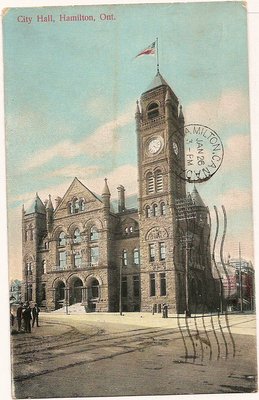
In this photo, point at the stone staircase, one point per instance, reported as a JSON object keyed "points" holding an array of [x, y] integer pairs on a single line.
{"points": [[77, 308]]}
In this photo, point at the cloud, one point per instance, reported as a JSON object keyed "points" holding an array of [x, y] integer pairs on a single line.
{"points": [[231, 107], [236, 199], [104, 140], [237, 152], [72, 170]]}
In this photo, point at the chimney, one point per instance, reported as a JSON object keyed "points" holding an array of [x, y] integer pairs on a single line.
{"points": [[121, 198]]}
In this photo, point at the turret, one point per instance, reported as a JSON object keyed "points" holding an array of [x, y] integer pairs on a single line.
{"points": [[106, 195], [181, 117]]}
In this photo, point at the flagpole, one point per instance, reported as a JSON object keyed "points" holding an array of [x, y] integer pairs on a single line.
{"points": [[157, 56]]}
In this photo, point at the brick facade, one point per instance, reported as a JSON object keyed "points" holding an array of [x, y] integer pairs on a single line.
{"points": [[83, 252]]}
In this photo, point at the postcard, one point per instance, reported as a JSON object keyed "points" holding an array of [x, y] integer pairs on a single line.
{"points": [[129, 200]]}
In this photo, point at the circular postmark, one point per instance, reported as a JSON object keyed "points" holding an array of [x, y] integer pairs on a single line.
{"points": [[202, 155]]}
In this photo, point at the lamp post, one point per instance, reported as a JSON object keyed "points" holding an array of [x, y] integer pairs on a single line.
{"points": [[120, 287], [240, 280]]}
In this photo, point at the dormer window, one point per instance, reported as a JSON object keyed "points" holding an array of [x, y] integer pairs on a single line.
{"points": [[76, 206], [153, 111]]}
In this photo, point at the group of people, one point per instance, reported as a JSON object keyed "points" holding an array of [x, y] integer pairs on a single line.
{"points": [[27, 315]]}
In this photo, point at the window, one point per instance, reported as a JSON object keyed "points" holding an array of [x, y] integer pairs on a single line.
{"points": [[162, 209], [62, 239], [28, 268], [155, 210], [153, 110], [44, 270], [126, 230], [94, 255], [162, 284], [152, 285], [95, 289], [159, 181], [152, 252], [82, 205], [77, 260], [62, 260], [76, 206], [77, 236], [150, 183], [124, 286], [136, 285], [148, 212], [46, 245], [94, 235], [43, 291], [124, 258], [162, 251], [136, 257], [131, 229]]}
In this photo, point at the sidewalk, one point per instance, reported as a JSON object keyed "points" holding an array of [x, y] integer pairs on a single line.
{"points": [[244, 324]]}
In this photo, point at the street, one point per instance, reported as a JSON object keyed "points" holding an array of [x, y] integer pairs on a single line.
{"points": [[135, 354]]}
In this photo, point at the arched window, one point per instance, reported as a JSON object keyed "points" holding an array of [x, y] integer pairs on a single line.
{"points": [[95, 289], [77, 260], [44, 266], [94, 235], [155, 210], [150, 183], [77, 236], [148, 212], [162, 209], [159, 181], [153, 110], [136, 256], [131, 229], [82, 205], [62, 239], [76, 206], [124, 258], [70, 208], [28, 268], [126, 230]]}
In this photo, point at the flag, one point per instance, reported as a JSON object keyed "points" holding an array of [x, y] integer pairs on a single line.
{"points": [[150, 50]]}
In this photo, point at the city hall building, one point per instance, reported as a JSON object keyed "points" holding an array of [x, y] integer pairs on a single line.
{"points": [[85, 251]]}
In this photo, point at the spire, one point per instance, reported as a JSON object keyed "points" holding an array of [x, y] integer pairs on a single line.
{"points": [[49, 205], [181, 113], [106, 191], [137, 108], [168, 95], [197, 198]]}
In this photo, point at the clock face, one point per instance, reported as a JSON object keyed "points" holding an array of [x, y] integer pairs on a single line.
{"points": [[155, 145], [176, 149]]}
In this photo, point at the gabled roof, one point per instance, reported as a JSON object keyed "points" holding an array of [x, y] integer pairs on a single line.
{"points": [[36, 206], [77, 187]]}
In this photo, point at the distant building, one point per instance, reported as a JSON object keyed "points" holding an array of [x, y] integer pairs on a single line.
{"points": [[236, 274], [84, 251]]}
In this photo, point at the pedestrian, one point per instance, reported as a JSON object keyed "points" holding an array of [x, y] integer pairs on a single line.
{"points": [[11, 318], [163, 310], [27, 318], [19, 316], [35, 315]]}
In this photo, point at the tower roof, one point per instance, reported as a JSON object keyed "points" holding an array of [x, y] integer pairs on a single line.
{"points": [[156, 82], [49, 205], [197, 198], [106, 191], [36, 206]]}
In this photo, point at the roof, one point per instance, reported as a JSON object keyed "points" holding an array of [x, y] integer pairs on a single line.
{"points": [[36, 206], [156, 82], [197, 198]]}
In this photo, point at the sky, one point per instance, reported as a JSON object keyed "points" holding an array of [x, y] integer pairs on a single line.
{"points": [[71, 91]]}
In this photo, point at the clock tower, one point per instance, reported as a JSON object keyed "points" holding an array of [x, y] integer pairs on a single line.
{"points": [[159, 127]]}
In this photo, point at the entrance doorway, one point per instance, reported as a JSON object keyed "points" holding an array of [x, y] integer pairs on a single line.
{"points": [[60, 295], [76, 291]]}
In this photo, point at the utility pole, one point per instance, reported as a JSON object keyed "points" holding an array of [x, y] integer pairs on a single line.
{"points": [[120, 287], [240, 279], [187, 311]]}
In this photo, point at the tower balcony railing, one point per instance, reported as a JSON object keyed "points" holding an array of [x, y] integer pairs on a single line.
{"points": [[153, 121]]}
